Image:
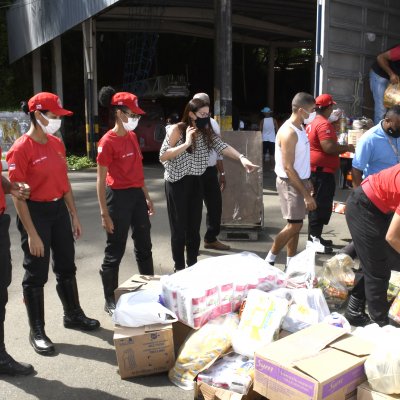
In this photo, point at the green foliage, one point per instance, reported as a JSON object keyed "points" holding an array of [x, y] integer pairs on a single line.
{"points": [[75, 162]]}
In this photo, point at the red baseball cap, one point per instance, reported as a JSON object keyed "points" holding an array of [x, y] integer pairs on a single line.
{"points": [[47, 101], [128, 100], [324, 100]]}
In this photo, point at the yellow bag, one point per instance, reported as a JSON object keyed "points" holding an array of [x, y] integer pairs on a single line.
{"points": [[392, 95]]}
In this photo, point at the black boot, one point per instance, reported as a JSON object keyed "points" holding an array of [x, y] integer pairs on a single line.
{"points": [[8, 365], [34, 302], [109, 278], [74, 317], [146, 267], [355, 312]]}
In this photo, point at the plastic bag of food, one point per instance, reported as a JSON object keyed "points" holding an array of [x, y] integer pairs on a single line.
{"points": [[394, 311], [141, 308], [341, 268], [338, 320], [392, 95], [307, 307], [260, 322], [383, 365], [202, 348], [394, 285], [335, 292], [300, 272]]}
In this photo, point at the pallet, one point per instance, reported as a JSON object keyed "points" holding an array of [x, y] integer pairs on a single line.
{"points": [[238, 234]]}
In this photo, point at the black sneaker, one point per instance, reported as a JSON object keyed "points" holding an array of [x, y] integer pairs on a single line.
{"points": [[326, 243]]}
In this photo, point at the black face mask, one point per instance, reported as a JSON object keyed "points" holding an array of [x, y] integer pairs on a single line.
{"points": [[202, 122], [394, 133]]}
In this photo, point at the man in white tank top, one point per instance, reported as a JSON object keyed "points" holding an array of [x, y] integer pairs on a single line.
{"points": [[292, 167]]}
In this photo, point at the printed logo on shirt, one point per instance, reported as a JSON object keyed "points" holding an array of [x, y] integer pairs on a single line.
{"points": [[100, 149], [328, 131], [127, 155], [11, 167], [38, 160]]}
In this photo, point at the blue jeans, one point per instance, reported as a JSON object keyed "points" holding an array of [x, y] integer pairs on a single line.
{"points": [[378, 86]]}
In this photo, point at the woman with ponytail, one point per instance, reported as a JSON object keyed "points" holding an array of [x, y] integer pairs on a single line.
{"points": [[48, 220], [123, 197]]}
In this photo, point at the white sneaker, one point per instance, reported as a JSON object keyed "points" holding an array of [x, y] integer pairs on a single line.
{"points": [[318, 246]]}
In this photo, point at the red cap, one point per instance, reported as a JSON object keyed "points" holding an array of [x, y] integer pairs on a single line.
{"points": [[47, 101], [128, 100], [324, 100]]}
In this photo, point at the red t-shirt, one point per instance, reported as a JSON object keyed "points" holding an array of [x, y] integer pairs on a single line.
{"points": [[42, 166], [385, 185], [2, 197], [123, 158], [321, 129], [394, 53]]}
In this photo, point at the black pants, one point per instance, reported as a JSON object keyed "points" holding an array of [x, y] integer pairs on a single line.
{"points": [[368, 227], [185, 204], [128, 209], [324, 191], [53, 224], [213, 202], [5, 269]]}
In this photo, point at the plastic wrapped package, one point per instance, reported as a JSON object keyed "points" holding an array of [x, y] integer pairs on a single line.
{"points": [[300, 272], [260, 322], [232, 372], [338, 320], [394, 285], [202, 348], [307, 307], [394, 311], [216, 286], [383, 365], [341, 267], [335, 293], [142, 308]]}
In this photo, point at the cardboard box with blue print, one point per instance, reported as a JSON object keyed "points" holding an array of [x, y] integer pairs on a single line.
{"points": [[321, 362], [142, 351]]}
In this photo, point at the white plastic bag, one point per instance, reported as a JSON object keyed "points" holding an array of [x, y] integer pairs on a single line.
{"points": [[307, 307], [260, 322], [141, 308], [383, 365], [300, 272]]}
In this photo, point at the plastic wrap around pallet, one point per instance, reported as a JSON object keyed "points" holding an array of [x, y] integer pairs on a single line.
{"points": [[217, 286]]}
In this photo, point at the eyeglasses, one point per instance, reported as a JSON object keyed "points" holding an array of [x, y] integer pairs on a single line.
{"points": [[202, 115], [132, 115]]}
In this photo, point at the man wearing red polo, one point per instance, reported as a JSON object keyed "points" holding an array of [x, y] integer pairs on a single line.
{"points": [[324, 155]]}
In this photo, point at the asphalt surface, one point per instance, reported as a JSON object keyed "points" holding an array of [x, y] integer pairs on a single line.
{"points": [[85, 365]]}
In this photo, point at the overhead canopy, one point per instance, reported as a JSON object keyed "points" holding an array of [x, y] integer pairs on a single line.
{"points": [[283, 23]]}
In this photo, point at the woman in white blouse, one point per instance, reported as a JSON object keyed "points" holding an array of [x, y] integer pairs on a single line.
{"points": [[184, 154]]}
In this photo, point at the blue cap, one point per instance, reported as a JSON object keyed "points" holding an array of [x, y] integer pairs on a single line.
{"points": [[266, 110]]}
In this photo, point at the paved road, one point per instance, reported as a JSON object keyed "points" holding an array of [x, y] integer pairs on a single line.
{"points": [[85, 366]]}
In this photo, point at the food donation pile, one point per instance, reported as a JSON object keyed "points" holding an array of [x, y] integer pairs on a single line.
{"points": [[223, 311]]}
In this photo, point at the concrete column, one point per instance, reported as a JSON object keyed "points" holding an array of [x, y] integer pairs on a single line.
{"points": [[95, 88], [36, 71], [271, 77], [223, 63], [57, 81]]}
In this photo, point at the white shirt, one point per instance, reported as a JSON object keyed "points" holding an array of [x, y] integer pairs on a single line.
{"points": [[212, 160], [268, 130], [301, 157]]}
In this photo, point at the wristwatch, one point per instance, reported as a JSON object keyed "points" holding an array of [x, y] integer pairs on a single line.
{"points": [[222, 173]]}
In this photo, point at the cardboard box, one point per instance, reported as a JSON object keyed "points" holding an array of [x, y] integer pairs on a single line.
{"points": [[136, 282], [144, 351], [203, 391], [180, 333], [365, 392], [312, 364]]}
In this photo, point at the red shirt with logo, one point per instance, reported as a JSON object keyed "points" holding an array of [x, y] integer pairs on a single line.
{"points": [[394, 53], [41, 165], [321, 129], [2, 196], [383, 189], [123, 159]]}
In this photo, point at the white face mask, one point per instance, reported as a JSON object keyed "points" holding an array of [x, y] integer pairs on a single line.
{"points": [[131, 124], [54, 124], [310, 117]]}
